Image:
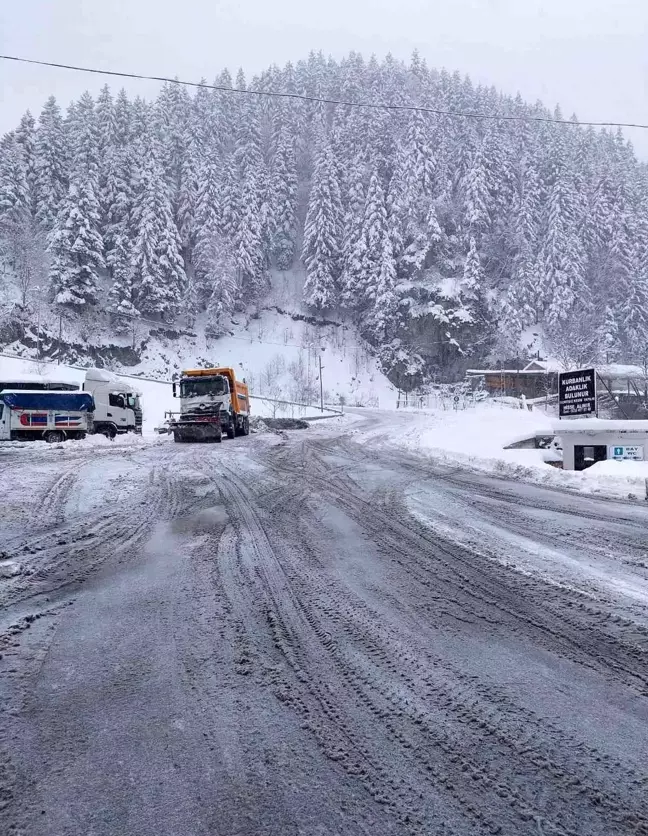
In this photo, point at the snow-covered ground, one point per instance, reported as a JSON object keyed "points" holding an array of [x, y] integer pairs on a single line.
{"points": [[476, 438]]}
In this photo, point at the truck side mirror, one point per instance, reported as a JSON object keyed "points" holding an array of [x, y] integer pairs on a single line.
{"points": [[175, 393]]}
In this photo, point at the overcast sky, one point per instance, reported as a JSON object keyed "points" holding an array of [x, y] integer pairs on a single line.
{"points": [[589, 55]]}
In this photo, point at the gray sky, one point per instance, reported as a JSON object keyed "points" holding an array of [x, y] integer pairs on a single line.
{"points": [[589, 55]]}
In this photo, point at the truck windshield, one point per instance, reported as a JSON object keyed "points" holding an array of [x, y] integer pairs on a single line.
{"points": [[133, 401], [195, 387]]}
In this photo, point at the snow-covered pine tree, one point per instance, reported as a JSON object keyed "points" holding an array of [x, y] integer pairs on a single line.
{"points": [[187, 198], [285, 202], [477, 197], [172, 114], [208, 228], [158, 272], [420, 163], [50, 177], [323, 233], [15, 206], [76, 243], [561, 256], [353, 244], [122, 120], [106, 119], [26, 139], [384, 316], [473, 274], [374, 233], [122, 291], [118, 198], [248, 241]]}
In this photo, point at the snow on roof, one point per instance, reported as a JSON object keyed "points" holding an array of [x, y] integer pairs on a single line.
{"points": [[622, 370], [597, 425], [35, 378], [505, 371], [610, 370], [104, 376], [543, 366], [101, 375]]}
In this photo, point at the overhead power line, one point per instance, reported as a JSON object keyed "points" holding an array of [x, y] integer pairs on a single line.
{"points": [[453, 114]]}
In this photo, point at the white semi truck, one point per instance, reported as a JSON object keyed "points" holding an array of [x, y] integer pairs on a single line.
{"points": [[117, 403]]}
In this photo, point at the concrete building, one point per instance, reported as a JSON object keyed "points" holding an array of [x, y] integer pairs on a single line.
{"points": [[589, 440]]}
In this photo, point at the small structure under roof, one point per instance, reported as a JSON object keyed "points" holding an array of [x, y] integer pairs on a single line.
{"points": [[586, 441], [536, 379]]}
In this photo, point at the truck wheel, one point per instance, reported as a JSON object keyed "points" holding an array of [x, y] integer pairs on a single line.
{"points": [[54, 437], [108, 432], [246, 426], [231, 428], [178, 438]]}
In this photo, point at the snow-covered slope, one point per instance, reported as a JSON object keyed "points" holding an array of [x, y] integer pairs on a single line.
{"points": [[278, 354]]}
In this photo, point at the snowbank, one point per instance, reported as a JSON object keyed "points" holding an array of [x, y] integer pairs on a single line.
{"points": [[475, 438]]}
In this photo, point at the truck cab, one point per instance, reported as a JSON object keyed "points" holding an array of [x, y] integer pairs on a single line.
{"points": [[212, 396], [117, 405]]}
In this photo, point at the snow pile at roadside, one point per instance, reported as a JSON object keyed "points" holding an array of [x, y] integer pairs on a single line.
{"points": [[473, 436], [476, 439]]}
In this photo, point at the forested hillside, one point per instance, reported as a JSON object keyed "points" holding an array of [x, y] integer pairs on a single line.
{"points": [[443, 238]]}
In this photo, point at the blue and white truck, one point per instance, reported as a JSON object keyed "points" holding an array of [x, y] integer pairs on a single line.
{"points": [[28, 415], [116, 407]]}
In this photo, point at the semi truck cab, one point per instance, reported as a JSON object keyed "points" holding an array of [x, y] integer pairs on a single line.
{"points": [[117, 405]]}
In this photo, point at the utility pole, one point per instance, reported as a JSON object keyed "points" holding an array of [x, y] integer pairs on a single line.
{"points": [[321, 384], [58, 359]]}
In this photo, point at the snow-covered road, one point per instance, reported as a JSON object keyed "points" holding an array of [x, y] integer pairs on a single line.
{"points": [[301, 634]]}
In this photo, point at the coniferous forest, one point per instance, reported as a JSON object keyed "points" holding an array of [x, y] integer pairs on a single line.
{"points": [[443, 238]]}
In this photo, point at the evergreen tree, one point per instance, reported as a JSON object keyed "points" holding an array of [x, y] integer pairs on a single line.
{"points": [[26, 139], [285, 203], [15, 207], [322, 233], [353, 244], [374, 234], [122, 291], [117, 204], [248, 240], [477, 217], [50, 176], [106, 120], [420, 163], [122, 120], [473, 275], [187, 199], [385, 311], [76, 245], [561, 254], [158, 272]]}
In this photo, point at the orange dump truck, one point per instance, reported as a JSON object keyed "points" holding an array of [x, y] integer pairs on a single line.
{"points": [[212, 402]]}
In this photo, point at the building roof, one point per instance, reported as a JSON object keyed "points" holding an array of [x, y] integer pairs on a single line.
{"points": [[598, 425]]}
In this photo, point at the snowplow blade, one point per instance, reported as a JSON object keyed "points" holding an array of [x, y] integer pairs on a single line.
{"points": [[197, 432]]}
